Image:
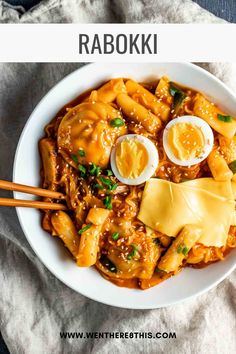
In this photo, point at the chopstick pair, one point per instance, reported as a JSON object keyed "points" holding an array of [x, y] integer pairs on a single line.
{"points": [[10, 186]]}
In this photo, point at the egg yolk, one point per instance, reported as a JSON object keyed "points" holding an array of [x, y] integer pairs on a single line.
{"points": [[186, 141], [131, 158]]}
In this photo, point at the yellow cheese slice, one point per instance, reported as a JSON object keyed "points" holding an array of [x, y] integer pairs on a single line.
{"points": [[167, 207]]}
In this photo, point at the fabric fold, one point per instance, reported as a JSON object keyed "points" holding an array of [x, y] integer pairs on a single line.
{"points": [[109, 11]]}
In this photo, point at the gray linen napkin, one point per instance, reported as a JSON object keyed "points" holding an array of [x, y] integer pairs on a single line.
{"points": [[34, 305], [95, 11]]}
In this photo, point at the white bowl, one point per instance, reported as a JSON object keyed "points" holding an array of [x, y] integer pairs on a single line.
{"points": [[89, 282]]}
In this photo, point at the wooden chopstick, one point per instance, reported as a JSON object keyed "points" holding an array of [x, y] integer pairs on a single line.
{"points": [[31, 204], [11, 186]]}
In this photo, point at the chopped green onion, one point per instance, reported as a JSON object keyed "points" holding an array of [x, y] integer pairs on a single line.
{"points": [[178, 95], [94, 170], [108, 264], [113, 186], [82, 153], [98, 186], [98, 171], [115, 236], [173, 90], [185, 250], [105, 181], [133, 252], [117, 122], [158, 270], [109, 173], [232, 166], [108, 183], [180, 249], [107, 201], [226, 119], [85, 228], [74, 158], [82, 170]]}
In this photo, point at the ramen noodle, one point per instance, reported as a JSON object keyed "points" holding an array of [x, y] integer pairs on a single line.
{"points": [[141, 208]]}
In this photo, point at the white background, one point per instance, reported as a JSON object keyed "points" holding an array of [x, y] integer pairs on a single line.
{"points": [[59, 42]]}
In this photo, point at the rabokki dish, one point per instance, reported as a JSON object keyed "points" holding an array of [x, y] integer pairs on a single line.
{"points": [[149, 175]]}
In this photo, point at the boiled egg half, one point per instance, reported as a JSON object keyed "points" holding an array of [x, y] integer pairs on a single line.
{"points": [[187, 140], [134, 159]]}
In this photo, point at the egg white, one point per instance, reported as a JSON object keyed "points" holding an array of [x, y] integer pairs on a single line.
{"points": [[153, 160], [207, 133]]}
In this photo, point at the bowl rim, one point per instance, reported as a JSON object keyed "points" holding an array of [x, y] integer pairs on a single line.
{"points": [[63, 280]]}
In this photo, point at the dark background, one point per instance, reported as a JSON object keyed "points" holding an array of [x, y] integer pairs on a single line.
{"points": [[222, 8]]}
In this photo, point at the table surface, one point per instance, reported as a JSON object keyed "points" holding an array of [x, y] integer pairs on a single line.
{"points": [[225, 9]]}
